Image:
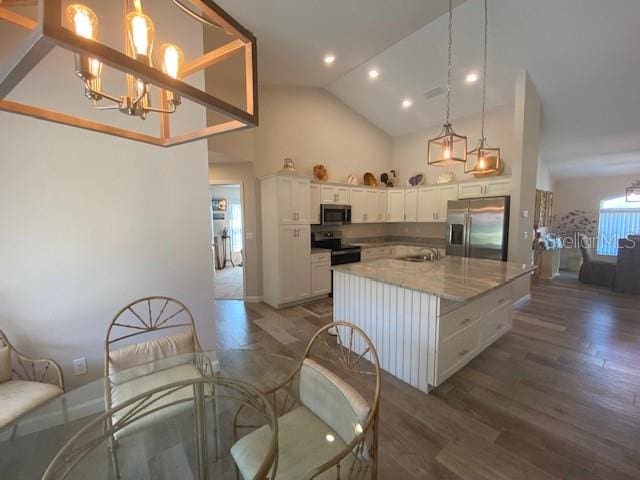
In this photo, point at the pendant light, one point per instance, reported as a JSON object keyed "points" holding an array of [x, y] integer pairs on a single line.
{"points": [[448, 148], [483, 158]]}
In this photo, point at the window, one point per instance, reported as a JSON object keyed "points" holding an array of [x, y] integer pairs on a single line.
{"points": [[618, 218]]}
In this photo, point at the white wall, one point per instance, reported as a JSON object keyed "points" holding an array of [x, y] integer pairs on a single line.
{"points": [[410, 151], [545, 180], [90, 222]]}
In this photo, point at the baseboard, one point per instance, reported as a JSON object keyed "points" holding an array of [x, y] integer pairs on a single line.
{"points": [[252, 299], [522, 302]]}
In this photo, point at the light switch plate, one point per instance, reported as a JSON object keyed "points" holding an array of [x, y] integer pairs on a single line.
{"points": [[80, 366]]}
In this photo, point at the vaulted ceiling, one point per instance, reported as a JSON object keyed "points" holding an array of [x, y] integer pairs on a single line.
{"points": [[581, 55]]}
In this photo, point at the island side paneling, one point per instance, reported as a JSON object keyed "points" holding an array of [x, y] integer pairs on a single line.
{"points": [[401, 323]]}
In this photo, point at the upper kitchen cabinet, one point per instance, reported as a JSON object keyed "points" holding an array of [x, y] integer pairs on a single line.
{"points": [[427, 204], [444, 194], [383, 211], [396, 205], [358, 205], [335, 194], [371, 206], [495, 187], [314, 204], [293, 200], [411, 205]]}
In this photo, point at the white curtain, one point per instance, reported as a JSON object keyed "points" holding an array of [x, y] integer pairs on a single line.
{"points": [[235, 227]]}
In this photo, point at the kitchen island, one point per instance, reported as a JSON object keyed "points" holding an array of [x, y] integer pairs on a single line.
{"points": [[427, 320]]}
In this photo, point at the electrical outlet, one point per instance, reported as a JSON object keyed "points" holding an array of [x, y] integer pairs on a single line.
{"points": [[249, 235], [80, 366], [526, 235]]}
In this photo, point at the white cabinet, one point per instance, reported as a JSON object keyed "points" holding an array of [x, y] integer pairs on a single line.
{"points": [[335, 194], [470, 190], [396, 205], [382, 205], [286, 239], [293, 200], [496, 188], [358, 205], [444, 194], [485, 188], [314, 204], [411, 205], [427, 204], [295, 271], [371, 206], [320, 274]]}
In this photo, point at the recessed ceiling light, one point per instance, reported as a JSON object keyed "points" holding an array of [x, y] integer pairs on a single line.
{"points": [[406, 103], [373, 74], [472, 77], [329, 58]]}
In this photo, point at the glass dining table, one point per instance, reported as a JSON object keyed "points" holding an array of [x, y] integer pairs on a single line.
{"points": [[161, 449]]}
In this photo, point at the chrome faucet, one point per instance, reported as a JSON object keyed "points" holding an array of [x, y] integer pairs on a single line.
{"points": [[435, 254]]}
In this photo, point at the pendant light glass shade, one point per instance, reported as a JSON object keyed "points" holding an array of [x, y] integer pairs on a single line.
{"points": [[484, 159], [448, 148]]}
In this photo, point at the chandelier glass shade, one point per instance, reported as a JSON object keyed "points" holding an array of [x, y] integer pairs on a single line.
{"points": [[448, 148], [142, 58]]}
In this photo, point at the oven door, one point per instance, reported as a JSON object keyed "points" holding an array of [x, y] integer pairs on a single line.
{"points": [[336, 214]]}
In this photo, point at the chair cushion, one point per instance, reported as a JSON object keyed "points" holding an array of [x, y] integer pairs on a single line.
{"points": [[302, 445], [329, 397], [122, 392], [150, 351], [5, 364], [17, 397]]}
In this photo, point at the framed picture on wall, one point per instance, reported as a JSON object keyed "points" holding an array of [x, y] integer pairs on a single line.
{"points": [[218, 216], [219, 204]]}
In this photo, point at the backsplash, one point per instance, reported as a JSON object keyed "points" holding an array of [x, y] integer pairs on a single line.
{"points": [[392, 230]]}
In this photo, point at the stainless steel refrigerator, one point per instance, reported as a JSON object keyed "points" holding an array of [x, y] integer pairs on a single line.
{"points": [[478, 228]]}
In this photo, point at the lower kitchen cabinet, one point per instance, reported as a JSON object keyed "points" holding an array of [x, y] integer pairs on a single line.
{"points": [[295, 269], [320, 274]]}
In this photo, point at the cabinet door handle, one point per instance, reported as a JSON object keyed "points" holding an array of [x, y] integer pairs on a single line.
{"points": [[501, 301], [463, 353]]}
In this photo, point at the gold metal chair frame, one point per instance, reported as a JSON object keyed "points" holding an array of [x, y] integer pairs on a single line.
{"points": [[88, 438], [350, 363], [41, 370], [143, 323]]}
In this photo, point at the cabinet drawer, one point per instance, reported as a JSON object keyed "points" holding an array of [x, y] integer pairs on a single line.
{"points": [[461, 318], [321, 258], [496, 324], [455, 352], [498, 298]]}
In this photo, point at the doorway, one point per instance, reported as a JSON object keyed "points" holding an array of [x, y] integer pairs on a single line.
{"points": [[227, 224]]}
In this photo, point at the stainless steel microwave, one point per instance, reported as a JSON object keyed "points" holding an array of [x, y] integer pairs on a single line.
{"points": [[335, 214]]}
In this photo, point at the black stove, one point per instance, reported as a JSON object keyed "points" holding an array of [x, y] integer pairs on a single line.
{"points": [[341, 253]]}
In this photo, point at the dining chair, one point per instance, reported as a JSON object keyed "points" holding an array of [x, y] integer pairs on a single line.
{"points": [[328, 412], [595, 270], [25, 382], [148, 345]]}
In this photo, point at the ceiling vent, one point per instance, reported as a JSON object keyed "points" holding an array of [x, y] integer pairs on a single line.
{"points": [[434, 92]]}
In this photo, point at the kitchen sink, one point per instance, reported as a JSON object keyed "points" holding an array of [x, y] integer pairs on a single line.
{"points": [[418, 258]]}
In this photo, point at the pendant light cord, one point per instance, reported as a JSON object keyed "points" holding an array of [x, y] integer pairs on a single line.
{"points": [[484, 68], [449, 68]]}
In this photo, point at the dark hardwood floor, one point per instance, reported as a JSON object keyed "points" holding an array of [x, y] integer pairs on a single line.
{"points": [[557, 397]]}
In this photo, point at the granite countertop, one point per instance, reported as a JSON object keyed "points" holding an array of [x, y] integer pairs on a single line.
{"points": [[453, 278]]}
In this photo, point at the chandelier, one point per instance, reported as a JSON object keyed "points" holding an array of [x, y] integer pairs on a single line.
{"points": [[76, 28], [448, 148], [485, 159]]}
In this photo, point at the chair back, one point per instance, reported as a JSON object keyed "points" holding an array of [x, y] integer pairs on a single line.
{"points": [[340, 383], [16, 366], [585, 248], [146, 330]]}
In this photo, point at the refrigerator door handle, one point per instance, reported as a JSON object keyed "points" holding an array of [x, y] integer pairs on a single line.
{"points": [[467, 235]]}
